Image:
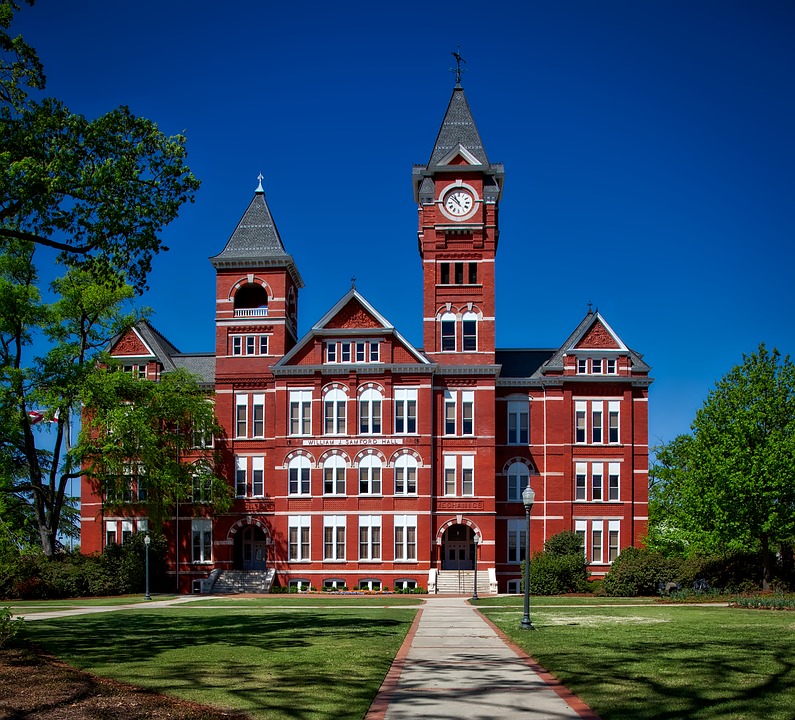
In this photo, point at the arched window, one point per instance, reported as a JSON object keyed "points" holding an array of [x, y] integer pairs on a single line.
{"points": [[334, 412], [298, 472], [406, 475], [448, 332], [251, 295], [334, 476], [370, 412], [370, 475], [469, 332], [518, 478]]}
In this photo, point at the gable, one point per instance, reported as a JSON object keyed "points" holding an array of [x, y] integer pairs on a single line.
{"points": [[131, 345], [353, 316], [597, 336]]}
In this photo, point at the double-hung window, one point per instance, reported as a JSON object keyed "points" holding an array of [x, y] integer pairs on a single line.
{"points": [[258, 476], [517, 540], [334, 537], [370, 412], [298, 533], [449, 412], [298, 472], [300, 412], [202, 537], [241, 476], [258, 416], [467, 412], [405, 411], [448, 332], [334, 476], [469, 334], [406, 475], [335, 406], [369, 537], [518, 478], [467, 475], [518, 422], [450, 470], [405, 537], [241, 415], [370, 475]]}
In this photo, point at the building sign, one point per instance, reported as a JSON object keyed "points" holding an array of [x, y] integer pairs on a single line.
{"points": [[354, 441]]}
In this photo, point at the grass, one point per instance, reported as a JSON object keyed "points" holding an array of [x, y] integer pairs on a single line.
{"points": [[47, 605], [560, 600], [310, 664], [664, 661]]}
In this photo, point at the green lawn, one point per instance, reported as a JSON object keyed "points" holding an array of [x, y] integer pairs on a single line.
{"points": [[557, 600], [49, 605], [664, 661], [274, 663], [301, 601]]}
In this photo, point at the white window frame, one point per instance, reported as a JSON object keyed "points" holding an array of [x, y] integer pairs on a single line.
{"points": [[518, 422], [467, 476], [241, 415], [470, 338], [405, 472], [335, 412], [300, 410], [450, 475], [447, 322], [467, 409], [201, 540], [299, 538], [597, 542], [371, 421], [370, 475], [334, 537], [334, 467], [299, 476], [518, 476], [370, 538], [258, 476], [258, 415], [613, 482], [241, 471], [406, 538], [516, 547], [613, 436], [406, 411], [450, 413]]}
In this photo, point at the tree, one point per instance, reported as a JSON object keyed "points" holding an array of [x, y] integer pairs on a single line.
{"points": [[99, 192], [732, 484], [138, 435]]}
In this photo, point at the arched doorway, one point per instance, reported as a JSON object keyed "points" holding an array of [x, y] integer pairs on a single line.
{"points": [[251, 549], [458, 548]]}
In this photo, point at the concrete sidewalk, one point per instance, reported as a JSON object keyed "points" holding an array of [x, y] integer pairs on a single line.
{"points": [[93, 609], [454, 664]]}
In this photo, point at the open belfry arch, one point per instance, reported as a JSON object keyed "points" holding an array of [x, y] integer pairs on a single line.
{"points": [[357, 459]]}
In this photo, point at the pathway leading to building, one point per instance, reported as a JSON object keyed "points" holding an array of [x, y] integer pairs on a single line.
{"points": [[455, 665]]}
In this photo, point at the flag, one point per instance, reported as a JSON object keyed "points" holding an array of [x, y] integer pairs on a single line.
{"points": [[35, 416]]}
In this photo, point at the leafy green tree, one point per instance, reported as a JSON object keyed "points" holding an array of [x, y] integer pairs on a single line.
{"points": [[152, 436], [731, 485], [98, 192]]}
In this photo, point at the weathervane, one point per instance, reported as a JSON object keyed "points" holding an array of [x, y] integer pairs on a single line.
{"points": [[458, 69], [353, 282], [260, 177]]}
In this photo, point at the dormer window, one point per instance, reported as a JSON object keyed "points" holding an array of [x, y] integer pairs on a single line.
{"points": [[358, 351], [596, 366]]}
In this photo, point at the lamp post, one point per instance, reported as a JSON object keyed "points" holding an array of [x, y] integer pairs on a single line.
{"points": [[528, 497], [477, 545], [147, 541]]}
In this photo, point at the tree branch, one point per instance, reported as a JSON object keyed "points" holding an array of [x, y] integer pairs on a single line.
{"points": [[39, 240]]}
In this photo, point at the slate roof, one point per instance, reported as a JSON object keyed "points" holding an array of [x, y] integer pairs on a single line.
{"points": [[521, 362], [256, 240], [458, 128], [200, 364]]}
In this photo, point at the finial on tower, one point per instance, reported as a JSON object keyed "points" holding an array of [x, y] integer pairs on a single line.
{"points": [[458, 69], [259, 187], [353, 283], [590, 308]]}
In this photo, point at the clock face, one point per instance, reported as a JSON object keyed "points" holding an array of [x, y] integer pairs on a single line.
{"points": [[458, 203]]}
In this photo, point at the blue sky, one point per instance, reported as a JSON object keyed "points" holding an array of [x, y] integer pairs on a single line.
{"points": [[649, 150]]}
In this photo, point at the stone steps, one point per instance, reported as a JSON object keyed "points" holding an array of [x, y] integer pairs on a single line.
{"points": [[461, 582], [238, 581]]}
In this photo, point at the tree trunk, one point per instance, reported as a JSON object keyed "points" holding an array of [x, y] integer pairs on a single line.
{"points": [[767, 563]]}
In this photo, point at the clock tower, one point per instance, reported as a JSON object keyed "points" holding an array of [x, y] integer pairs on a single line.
{"points": [[458, 193]]}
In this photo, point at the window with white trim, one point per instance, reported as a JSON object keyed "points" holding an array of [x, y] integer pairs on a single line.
{"points": [[348, 351], [370, 475], [405, 537], [589, 481], [300, 412], [589, 422], [450, 470], [450, 412], [370, 412], [581, 531], [126, 530], [405, 411], [298, 471], [518, 479], [249, 344], [241, 415], [258, 476], [596, 540], [596, 366], [448, 323], [467, 412], [406, 475], [518, 422], [517, 540], [613, 539], [333, 537], [241, 476], [369, 537], [469, 332], [335, 410], [258, 415], [613, 481], [467, 475], [334, 475], [202, 539], [110, 532], [298, 534]]}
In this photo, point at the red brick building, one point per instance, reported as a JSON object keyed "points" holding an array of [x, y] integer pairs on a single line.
{"points": [[360, 460]]}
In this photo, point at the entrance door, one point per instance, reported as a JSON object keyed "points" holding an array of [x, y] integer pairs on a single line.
{"points": [[253, 548], [457, 548]]}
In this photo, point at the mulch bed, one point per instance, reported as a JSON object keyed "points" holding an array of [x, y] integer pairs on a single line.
{"points": [[36, 686]]}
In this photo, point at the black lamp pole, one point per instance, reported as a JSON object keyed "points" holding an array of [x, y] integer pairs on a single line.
{"points": [[528, 497], [477, 545], [147, 540]]}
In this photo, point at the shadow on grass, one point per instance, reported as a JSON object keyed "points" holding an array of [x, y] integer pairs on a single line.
{"points": [[306, 664], [712, 671]]}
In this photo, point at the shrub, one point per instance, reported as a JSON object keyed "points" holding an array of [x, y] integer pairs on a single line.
{"points": [[639, 572], [560, 568], [9, 626]]}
